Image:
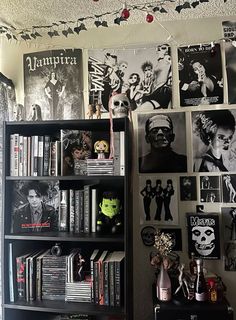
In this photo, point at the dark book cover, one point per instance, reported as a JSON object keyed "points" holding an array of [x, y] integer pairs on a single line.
{"points": [[53, 84], [35, 206]]}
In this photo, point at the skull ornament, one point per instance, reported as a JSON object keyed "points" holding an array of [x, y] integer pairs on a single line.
{"points": [[204, 239], [120, 105]]}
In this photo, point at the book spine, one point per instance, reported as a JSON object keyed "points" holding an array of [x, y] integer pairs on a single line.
{"points": [[116, 153], [77, 213], [122, 153], [72, 210], [40, 155], [25, 156], [63, 210], [11, 274], [53, 158], [81, 211], [39, 278], [87, 213], [111, 284], [46, 155], [96, 281], [29, 149], [94, 209], [21, 155], [16, 155], [118, 272], [106, 283], [35, 142], [21, 277]]}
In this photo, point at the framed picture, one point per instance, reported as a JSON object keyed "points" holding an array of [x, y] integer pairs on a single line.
{"points": [[229, 223], [210, 188], [203, 235], [188, 188], [230, 256], [158, 200]]}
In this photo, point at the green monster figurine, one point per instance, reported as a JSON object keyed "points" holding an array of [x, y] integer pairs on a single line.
{"points": [[109, 218]]}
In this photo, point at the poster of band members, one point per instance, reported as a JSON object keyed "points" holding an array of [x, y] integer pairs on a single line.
{"points": [[214, 140], [162, 142], [188, 188], [53, 85], [158, 200], [210, 189], [200, 75], [203, 235], [229, 223], [229, 31], [143, 74], [229, 188], [35, 206]]}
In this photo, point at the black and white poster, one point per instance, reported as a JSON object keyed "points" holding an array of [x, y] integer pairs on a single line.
{"points": [[35, 206], [158, 200], [53, 85], [188, 188], [143, 74], [203, 235], [229, 223], [230, 256], [162, 142], [229, 188], [229, 32], [200, 75], [210, 189], [214, 140]]}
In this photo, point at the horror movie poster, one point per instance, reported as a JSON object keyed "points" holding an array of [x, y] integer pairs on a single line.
{"points": [[200, 75], [53, 85], [229, 32], [203, 235], [143, 74]]}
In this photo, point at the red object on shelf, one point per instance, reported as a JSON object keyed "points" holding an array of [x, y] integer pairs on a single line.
{"points": [[125, 13], [149, 18]]}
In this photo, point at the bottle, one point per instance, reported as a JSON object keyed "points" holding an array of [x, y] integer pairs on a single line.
{"points": [[193, 264], [163, 285], [212, 291], [200, 288]]}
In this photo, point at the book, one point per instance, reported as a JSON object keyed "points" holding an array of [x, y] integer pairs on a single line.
{"points": [[93, 257], [98, 277], [87, 207], [118, 260], [122, 153], [40, 156], [25, 156], [46, 155], [71, 210], [63, 210], [21, 155], [11, 267], [14, 147], [35, 146], [39, 260], [94, 209], [21, 276], [33, 274], [106, 287], [79, 211]]}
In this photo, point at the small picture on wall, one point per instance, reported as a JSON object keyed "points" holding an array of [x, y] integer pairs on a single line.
{"points": [[162, 142], [229, 188], [230, 256], [210, 190], [176, 236], [203, 235], [200, 75], [214, 140], [158, 200], [188, 188], [229, 223]]}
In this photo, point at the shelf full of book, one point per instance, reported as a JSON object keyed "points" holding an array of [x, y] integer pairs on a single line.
{"points": [[67, 225]]}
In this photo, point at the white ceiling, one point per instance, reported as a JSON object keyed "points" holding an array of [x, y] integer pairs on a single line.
{"points": [[23, 14]]}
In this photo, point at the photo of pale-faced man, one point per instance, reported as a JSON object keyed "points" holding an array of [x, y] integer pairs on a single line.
{"points": [[34, 210], [162, 142]]}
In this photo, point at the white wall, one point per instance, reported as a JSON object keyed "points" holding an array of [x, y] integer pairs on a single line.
{"points": [[182, 32]]}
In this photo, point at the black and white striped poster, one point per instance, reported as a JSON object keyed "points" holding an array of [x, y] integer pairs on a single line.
{"points": [[200, 75], [53, 85]]}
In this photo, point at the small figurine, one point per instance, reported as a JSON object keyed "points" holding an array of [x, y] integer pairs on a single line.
{"points": [[109, 218], [90, 111], [101, 147], [120, 105], [98, 110]]}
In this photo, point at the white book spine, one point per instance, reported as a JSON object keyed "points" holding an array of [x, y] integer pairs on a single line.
{"points": [[122, 153]]}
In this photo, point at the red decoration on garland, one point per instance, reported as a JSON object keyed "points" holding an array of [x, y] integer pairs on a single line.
{"points": [[125, 13], [149, 18]]}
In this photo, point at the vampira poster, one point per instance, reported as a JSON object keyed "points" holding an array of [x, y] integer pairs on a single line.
{"points": [[200, 75], [53, 85], [203, 235], [143, 74], [229, 32]]}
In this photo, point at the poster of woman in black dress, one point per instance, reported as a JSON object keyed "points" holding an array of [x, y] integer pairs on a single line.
{"points": [[53, 85], [200, 75], [145, 75]]}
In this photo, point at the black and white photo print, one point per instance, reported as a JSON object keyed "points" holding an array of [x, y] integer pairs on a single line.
{"points": [[230, 256], [176, 235], [210, 189], [162, 142], [203, 235], [200, 75], [188, 188], [229, 223], [229, 188], [158, 199], [214, 140], [145, 75]]}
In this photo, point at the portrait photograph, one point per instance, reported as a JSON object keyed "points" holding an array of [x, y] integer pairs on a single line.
{"points": [[229, 188], [145, 75], [200, 75], [214, 140], [228, 215], [158, 200], [188, 188], [203, 235], [162, 142], [210, 189], [230, 256]]}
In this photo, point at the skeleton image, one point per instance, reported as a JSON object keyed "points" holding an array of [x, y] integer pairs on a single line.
{"points": [[120, 105], [204, 239]]}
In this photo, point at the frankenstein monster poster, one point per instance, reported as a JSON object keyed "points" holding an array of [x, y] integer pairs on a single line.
{"points": [[53, 85], [200, 75], [203, 235]]}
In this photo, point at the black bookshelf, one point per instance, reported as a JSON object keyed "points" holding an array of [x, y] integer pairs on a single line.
{"points": [[42, 309]]}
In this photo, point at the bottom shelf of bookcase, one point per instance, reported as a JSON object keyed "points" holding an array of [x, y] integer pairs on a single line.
{"points": [[65, 307]]}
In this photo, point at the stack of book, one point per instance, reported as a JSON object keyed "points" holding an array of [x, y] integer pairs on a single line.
{"points": [[79, 291], [96, 167]]}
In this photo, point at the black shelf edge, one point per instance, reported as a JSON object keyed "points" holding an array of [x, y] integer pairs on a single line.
{"points": [[64, 236], [65, 307], [64, 178]]}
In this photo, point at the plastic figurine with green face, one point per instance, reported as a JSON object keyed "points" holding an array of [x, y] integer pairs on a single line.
{"points": [[110, 207]]}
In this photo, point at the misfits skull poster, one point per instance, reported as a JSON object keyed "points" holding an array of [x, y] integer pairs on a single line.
{"points": [[146, 81], [200, 75], [53, 85], [203, 235]]}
